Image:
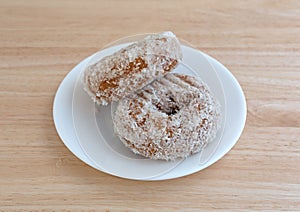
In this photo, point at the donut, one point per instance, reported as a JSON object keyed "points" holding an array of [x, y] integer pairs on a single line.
{"points": [[131, 68], [173, 117]]}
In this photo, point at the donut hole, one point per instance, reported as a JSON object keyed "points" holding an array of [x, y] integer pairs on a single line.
{"points": [[167, 105]]}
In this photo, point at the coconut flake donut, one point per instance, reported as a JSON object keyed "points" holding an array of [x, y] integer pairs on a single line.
{"points": [[132, 68], [172, 117]]}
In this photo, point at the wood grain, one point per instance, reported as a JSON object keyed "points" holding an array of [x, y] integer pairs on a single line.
{"points": [[40, 42]]}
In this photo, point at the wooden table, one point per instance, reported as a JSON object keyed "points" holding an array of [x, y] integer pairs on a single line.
{"points": [[41, 41]]}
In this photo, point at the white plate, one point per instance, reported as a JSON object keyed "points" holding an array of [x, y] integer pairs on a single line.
{"points": [[235, 118], [94, 128]]}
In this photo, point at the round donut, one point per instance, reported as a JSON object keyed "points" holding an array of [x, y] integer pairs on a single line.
{"points": [[131, 68], [173, 117]]}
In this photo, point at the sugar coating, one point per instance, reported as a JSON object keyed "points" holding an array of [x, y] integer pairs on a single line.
{"points": [[173, 117], [132, 68]]}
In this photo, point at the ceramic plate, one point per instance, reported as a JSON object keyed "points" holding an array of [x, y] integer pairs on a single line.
{"points": [[88, 133]]}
